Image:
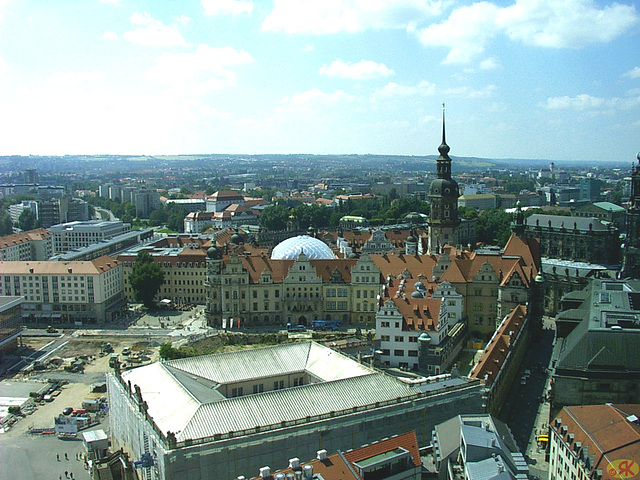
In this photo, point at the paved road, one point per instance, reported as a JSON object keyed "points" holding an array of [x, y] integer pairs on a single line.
{"points": [[33, 457], [525, 410]]}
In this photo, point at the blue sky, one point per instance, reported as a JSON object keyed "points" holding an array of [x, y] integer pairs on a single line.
{"points": [[553, 79]]}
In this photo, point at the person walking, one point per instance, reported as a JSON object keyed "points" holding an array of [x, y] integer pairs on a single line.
{"points": [[58, 456], [66, 457]]}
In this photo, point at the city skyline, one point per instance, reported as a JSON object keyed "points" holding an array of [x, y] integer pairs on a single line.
{"points": [[544, 79]]}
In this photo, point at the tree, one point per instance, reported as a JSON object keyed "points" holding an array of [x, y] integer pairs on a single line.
{"points": [[167, 352], [27, 220], [494, 227], [146, 278], [6, 226], [275, 218]]}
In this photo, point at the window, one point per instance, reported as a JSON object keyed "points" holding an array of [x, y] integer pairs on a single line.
{"points": [[413, 339], [342, 305], [331, 292], [398, 353], [413, 353], [384, 324], [399, 338], [331, 305], [385, 338]]}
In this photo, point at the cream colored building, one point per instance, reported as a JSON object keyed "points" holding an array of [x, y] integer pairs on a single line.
{"points": [[182, 259], [30, 245], [65, 292]]}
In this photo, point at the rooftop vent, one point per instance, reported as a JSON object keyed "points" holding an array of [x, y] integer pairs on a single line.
{"points": [[322, 454], [307, 472], [294, 463], [265, 472]]}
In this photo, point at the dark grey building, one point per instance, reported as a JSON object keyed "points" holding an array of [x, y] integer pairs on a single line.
{"points": [[575, 238], [595, 358]]}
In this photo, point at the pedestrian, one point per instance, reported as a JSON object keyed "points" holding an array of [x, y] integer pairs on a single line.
{"points": [[58, 456], [66, 457], [66, 474]]}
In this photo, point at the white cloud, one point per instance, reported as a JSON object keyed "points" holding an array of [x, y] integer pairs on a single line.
{"points": [[470, 92], [633, 73], [542, 23], [110, 35], [183, 20], [580, 103], [334, 16], [197, 73], [227, 7], [153, 32], [465, 32], [362, 70], [489, 64], [70, 79], [394, 90], [314, 100]]}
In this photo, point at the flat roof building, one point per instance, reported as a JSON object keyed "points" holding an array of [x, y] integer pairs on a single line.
{"points": [[73, 235]]}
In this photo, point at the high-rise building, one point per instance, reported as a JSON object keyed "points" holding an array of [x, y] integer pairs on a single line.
{"points": [[443, 199]]}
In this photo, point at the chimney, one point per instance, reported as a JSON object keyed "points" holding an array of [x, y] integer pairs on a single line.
{"points": [[307, 472], [322, 454], [265, 472], [294, 463]]}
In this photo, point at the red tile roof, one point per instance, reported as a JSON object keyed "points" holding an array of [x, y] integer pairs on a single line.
{"points": [[407, 441], [605, 430]]}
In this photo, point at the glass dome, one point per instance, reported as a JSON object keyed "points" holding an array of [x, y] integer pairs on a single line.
{"points": [[313, 248]]}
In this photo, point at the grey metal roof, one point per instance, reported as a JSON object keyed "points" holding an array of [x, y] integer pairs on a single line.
{"points": [[250, 411], [560, 221], [242, 365], [182, 395]]}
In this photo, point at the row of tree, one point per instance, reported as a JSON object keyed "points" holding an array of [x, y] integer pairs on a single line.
{"points": [[379, 211]]}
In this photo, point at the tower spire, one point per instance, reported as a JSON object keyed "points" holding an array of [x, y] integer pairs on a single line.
{"points": [[444, 142], [443, 148]]}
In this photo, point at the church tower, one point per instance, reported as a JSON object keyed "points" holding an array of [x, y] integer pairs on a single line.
{"points": [[443, 199], [631, 262]]}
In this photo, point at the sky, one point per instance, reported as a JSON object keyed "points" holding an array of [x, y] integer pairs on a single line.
{"points": [[529, 79]]}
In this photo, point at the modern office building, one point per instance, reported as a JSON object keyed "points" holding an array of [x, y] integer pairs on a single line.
{"points": [[10, 323], [73, 235]]}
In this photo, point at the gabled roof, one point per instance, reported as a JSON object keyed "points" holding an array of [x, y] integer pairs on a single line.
{"points": [[496, 351], [93, 267], [604, 430], [28, 236], [408, 441]]}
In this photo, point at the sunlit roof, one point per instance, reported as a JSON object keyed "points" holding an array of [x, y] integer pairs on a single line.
{"points": [[291, 248]]}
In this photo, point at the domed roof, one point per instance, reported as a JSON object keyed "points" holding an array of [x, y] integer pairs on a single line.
{"points": [[417, 294], [419, 285], [214, 253], [313, 248], [445, 187], [413, 217], [236, 239]]}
